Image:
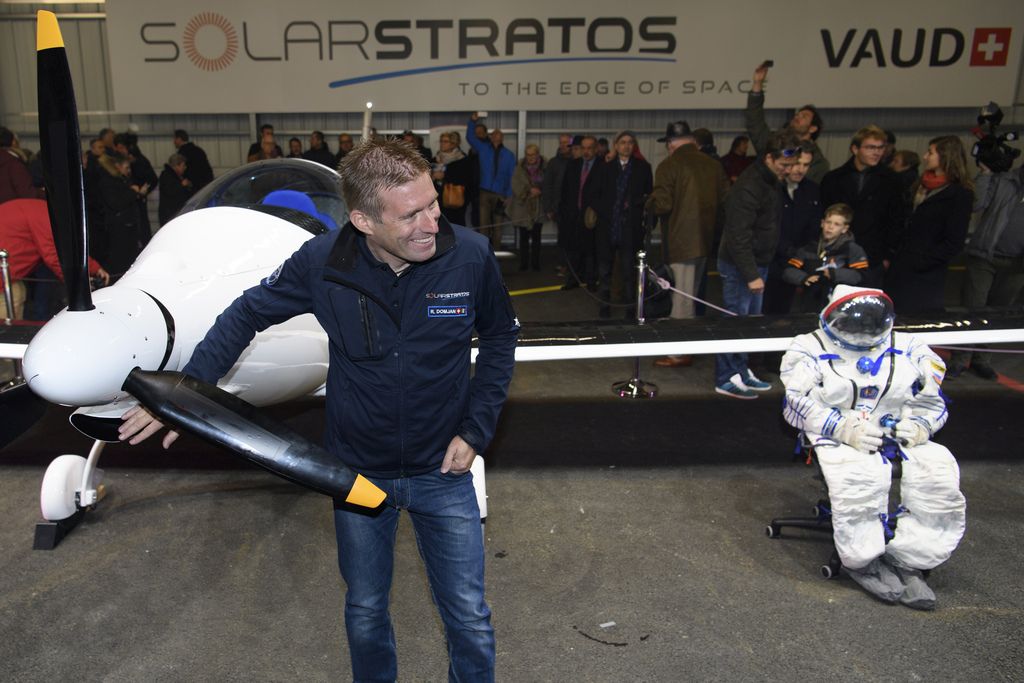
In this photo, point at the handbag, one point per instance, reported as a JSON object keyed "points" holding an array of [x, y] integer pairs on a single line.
{"points": [[453, 196]]}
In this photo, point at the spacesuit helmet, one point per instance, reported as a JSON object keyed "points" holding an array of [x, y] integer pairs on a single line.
{"points": [[858, 318]]}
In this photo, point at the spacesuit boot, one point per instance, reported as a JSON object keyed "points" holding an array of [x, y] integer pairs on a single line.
{"points": [[916, 593], [878, 579]]}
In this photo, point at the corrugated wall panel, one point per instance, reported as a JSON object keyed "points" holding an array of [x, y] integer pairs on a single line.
{"points": [[87, 51], [226, 137], [92, 72], [24, 44], [10, 89]]}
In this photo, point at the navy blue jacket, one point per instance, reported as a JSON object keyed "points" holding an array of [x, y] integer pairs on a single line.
{"points": [[398, 384], [801, 218]]}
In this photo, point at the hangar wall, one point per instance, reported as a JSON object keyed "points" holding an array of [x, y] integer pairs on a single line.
{"points": [[226, 137]]}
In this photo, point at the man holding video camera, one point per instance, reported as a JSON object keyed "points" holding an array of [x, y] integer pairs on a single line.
{"points": [[995, 255]]}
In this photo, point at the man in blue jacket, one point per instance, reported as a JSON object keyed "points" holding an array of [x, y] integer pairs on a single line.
{"points": [[399, 292], [497, 163]]}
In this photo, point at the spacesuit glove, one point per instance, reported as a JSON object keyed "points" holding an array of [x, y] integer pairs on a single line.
{"points": [[860, 434], [910, 432]]}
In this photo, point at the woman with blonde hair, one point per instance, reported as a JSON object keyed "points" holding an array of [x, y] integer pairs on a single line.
{"points": [[452, 174], [936, 229]]}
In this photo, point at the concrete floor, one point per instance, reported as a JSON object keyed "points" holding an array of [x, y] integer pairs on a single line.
{"points": [[650, 515], [224, 576]]}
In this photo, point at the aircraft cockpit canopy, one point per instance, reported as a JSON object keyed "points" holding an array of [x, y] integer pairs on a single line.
{"points": [[299, 191]]}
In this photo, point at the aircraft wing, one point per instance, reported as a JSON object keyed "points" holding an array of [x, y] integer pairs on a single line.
{"points": [[608, 339], [660, 337], [15, 336]]}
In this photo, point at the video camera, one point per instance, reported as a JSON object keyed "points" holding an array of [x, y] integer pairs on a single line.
{"points": [[991, 149]]}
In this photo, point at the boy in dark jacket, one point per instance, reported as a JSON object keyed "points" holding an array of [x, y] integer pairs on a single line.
{"points": [[832, 259]]}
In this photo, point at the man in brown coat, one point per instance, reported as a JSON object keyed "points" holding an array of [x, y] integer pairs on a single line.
{"points": [[689, 188]]}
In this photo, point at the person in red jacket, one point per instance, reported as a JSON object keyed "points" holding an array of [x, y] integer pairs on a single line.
{"points": [[26, 236], [15, 178]]}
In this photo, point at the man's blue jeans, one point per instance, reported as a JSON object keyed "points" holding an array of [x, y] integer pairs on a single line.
{"points": [[446, 521], [740, 300]]}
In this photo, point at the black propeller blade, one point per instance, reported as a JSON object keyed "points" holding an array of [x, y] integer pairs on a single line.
{"points": [[61, 160], [226, 420]]}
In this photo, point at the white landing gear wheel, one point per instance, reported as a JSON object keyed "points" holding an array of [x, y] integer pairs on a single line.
{"points": [[62, 480], [71, 486]]}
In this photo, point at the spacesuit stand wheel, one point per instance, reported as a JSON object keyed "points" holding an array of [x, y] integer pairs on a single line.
{"points": [[822, 521], [636, 387], [819, 521], [71, 486]]}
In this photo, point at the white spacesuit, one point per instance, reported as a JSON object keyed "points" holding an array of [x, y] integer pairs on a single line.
{"points": [[864, 395]]}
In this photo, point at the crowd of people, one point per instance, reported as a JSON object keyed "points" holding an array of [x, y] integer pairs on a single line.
{"points": [[118, 180], [757, 215], [781, 226]]}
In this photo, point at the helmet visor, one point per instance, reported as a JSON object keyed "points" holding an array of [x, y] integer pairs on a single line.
{"points": [[861, 321]]}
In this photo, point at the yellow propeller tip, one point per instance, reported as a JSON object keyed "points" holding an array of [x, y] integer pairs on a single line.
{"points": [[364, 493], [47, 31]]}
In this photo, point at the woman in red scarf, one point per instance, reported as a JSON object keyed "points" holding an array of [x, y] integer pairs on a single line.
{"points": [[936, 229]]}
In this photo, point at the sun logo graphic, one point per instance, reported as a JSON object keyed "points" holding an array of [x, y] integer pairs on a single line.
{"points": [[204, 35]]}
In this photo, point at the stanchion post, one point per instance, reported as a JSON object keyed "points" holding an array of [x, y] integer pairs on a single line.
{"points": [[641, 285], [636, 387], [5, 278], [5, 275]]}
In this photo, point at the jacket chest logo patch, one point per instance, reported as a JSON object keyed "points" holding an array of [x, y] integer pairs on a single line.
{"points": [[447, 296], [869, 392], [447, 311]]}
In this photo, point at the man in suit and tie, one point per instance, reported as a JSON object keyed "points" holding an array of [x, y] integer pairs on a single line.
{"points": [[579, 243]]}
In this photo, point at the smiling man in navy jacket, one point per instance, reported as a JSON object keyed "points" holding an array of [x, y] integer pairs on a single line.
{"points": [[399, 292]]}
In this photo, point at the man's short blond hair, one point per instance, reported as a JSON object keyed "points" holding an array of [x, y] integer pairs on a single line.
{"points": [[375, 166]]}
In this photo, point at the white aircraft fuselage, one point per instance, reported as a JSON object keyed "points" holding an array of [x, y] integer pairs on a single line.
{"points": [[193, 268]]}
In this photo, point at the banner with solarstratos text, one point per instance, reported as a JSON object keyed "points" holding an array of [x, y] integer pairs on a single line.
{"points": [[317, 55]]}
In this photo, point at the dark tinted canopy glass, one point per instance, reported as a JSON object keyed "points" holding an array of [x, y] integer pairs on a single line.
{"points": [[293, 189]]}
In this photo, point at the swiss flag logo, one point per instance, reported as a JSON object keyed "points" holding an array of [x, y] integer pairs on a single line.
{"points": [[991, 46]]}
